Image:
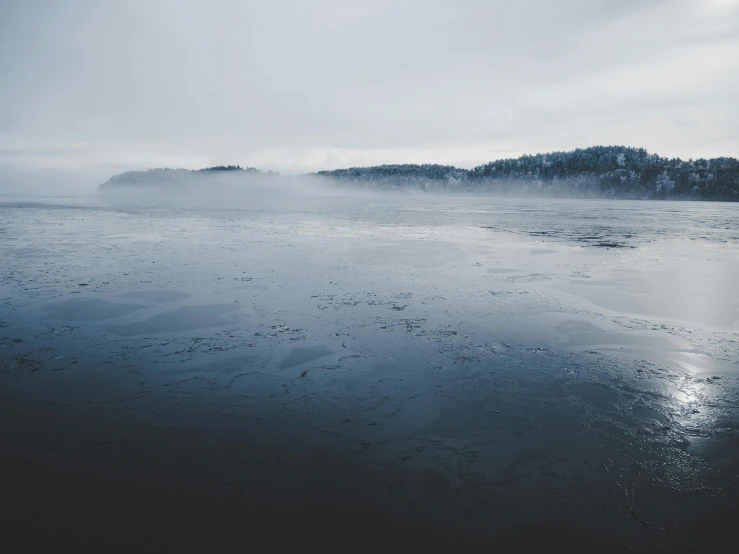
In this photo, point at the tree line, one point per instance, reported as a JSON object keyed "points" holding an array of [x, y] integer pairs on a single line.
{"points": [[598, 171]]}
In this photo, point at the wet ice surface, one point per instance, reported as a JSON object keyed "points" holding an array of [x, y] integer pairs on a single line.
{"points": [[498, 363]]}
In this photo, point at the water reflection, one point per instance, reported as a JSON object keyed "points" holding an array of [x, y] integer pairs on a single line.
{"points": [[490, 362]]}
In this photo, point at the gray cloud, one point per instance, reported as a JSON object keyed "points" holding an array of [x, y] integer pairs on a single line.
{"points": [[308, 85]]}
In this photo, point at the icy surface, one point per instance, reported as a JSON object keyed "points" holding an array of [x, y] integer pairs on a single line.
{"points": [[495, 361]]}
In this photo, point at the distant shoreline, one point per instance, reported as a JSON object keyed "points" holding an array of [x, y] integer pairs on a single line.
{"points": [[596, 172]]}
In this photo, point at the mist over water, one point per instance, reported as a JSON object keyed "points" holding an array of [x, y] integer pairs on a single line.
{"points": [[471, 288], [218, 186], [484, 364]]}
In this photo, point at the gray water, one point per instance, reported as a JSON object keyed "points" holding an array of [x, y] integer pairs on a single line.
{"points": [[497, 363]]}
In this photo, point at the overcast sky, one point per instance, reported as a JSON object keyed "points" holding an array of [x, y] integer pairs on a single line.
{"points": [[99, 86]]}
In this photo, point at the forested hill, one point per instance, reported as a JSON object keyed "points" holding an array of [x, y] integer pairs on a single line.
{"points": [[599, 171], [167, 177]]}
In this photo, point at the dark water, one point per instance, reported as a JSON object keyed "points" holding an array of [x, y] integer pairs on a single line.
{"points": [[401, 372]]}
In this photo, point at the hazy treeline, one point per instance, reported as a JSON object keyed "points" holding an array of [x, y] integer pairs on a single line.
{"points": [[164, 177], [223, 180], [598, 171]]}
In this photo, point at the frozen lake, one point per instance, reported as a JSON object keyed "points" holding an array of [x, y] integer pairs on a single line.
{"points": [[481, 365]]}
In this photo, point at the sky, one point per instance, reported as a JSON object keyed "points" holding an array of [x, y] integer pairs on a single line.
{"points": [[93, 87]]}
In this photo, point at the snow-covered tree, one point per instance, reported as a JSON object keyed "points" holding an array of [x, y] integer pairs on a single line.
{"points": [[664, 183]]}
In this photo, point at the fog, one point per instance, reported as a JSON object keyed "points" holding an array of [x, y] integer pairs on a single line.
{"points": [[298, 87], [385, 329], [214, 185], [54, 181]]}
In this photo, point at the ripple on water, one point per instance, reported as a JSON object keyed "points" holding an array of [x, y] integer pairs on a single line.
{"points": [[184, 318], [298, 356], [162, 296], [88, 309]]}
